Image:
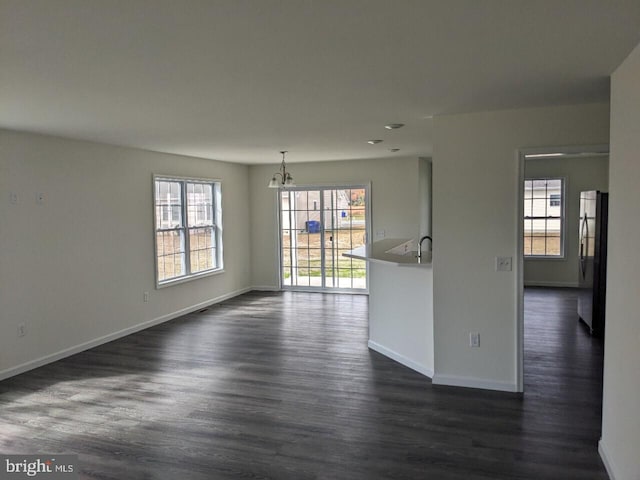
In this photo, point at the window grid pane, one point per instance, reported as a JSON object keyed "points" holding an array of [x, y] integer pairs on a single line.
{"points": [[180, 251], [316, 226], [543, 217], [202, 250]]}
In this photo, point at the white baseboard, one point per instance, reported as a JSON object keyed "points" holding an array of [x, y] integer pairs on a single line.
{"points": [[602, 450], [550, 284], [67, 352], [473, 382], [265, 288], [400, 359]]}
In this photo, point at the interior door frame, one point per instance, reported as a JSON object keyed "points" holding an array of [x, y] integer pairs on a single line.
{"points": [[573, 150], [368, 229]]}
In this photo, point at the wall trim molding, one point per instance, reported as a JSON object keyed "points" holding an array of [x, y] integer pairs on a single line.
{"points": [[393, 355], [473, 382], [602, 450], [542, 283], [67, 352], [266, 288]]}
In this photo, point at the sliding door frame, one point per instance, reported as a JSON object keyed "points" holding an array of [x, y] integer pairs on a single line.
{"points": [[324, 187]]}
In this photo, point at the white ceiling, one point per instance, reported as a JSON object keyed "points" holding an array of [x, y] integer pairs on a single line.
{"points": [[239, 80]]}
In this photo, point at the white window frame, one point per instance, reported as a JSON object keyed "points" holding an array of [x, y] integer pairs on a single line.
{"points": [[216, 208], [562, 218], [324, 186]]}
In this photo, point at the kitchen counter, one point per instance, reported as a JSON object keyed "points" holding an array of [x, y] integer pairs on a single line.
{"points": [[400, 302], [394, 251]]}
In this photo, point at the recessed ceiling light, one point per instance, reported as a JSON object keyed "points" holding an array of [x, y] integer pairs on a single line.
{"points": [[373, 142], [394, 126], [394, 150]]}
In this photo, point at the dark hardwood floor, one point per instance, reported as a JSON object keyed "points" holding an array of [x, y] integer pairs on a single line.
{"points": [[282, 386]]}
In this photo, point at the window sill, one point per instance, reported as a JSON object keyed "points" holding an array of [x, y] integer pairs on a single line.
{"points": [[196, 276], [543, 257]]}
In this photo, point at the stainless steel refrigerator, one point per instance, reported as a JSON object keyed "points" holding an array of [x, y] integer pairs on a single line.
{"points": [[592, 268]]}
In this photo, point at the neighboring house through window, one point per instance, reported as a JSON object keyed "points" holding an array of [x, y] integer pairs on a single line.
{"points": [[544, 217], [188, 228]]}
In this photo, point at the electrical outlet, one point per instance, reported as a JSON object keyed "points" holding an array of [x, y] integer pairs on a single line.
{"points": [[146, 297], [22, 329], [39, 198], [474, 339], [380, 233], [503, 264], [13, 198]]}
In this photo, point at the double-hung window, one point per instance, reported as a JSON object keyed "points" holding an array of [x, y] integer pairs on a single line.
{"points": [[188, 228], [544, 217]]}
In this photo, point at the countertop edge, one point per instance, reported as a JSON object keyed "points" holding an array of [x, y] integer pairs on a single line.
{"points": [[377, 253]]}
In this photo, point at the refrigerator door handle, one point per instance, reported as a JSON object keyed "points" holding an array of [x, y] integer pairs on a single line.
{"points": [[584, 227]]}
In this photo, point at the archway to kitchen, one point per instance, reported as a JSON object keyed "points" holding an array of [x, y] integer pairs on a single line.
{"points": [[316, 226]]}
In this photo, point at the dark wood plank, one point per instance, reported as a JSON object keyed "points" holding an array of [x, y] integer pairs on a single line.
{"points": [[282, 386]]}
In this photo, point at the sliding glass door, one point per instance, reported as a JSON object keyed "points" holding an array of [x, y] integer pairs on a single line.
{"points": [[317, 225]]}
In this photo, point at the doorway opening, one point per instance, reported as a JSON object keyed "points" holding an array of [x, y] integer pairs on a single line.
{"points": [[317, 225], [550, 341]]}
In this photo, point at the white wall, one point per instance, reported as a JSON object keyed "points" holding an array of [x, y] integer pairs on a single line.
{"points": [[475, 203], [394, 203], [581, 173], [74, 269], [620, 444]]}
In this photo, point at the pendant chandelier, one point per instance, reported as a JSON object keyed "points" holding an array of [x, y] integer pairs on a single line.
{"points": [[285, 180]]}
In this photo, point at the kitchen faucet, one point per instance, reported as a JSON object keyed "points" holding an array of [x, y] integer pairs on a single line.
{"points": [[420, 245]]}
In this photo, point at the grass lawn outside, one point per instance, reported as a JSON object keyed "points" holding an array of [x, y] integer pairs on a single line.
{"points": [[306, 256]]}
